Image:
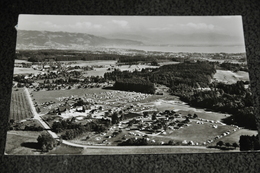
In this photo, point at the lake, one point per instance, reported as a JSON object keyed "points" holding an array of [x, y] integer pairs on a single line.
{"points": [[191, 49]]}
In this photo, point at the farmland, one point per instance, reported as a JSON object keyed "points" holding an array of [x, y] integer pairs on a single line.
{"points": [[110, 99], [80, 103], [20, 108]]}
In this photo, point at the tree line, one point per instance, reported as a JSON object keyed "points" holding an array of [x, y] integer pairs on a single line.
{"points": [[135, 84], [227, 98], [176, 76], [70, 55], [233, 66], [247, 142]]}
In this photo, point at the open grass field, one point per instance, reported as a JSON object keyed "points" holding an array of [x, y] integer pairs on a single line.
{"points": [[45, 96], [22, 143], [230, 77], [20, 108], [195, 132], [173, 103], [234, 137]]}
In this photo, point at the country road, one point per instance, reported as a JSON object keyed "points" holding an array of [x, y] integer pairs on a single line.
{"points": [[105, 148], [38, 117]]}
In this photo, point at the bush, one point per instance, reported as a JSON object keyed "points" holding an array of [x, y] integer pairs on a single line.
{"points": [[134, 142]]}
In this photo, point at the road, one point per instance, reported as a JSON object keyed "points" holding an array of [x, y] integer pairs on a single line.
{"points": [[55, 136], [38, 117]]}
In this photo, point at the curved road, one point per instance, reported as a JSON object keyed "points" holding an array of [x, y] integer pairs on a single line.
{"points": [[125, 147], [55, 136]]}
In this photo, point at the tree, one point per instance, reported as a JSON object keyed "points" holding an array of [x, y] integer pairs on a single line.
{"points": [[171, 142], [145, 114], [115, 118], [246, 143], [235, 145], [106, 114], [46, 142], [227, 144], [11, 121], [220, 143], [195, 116], [154, 62], [154, 116]]}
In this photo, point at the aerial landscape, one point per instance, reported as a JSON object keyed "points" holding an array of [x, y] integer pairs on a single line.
{"points": [[96, 85]]}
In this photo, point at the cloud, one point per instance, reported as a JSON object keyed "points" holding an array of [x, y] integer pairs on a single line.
{"points": [[199, 26], [187, 28], [49, 25], [121, 23], [83, 26]]}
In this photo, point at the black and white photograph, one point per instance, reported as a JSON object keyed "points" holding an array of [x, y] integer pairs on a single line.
{"points": [[98, 85]]}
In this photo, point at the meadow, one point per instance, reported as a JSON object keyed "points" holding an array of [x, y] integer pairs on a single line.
{"points": [[230, 77], [22, 143]]}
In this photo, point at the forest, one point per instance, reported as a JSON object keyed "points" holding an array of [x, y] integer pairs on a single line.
{"points": [[190, 75], [187, 81], [135, 84], [227, 98], [249, 142]]}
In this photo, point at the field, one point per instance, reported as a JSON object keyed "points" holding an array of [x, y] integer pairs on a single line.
{"points": [[195, 132], [202, 135], [234, 137], [198, 133], [20, 108], [22, 143], [18, 70], [45, 96], [109, 99], [230, 77]]}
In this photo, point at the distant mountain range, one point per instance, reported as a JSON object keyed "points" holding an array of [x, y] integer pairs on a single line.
{"points": [[65, 40]]}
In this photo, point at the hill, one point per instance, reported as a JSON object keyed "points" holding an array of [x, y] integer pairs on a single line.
{"points": [[65, 40]]}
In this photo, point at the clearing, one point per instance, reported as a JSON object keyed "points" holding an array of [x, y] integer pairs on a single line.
{"points": [[230, 77]]}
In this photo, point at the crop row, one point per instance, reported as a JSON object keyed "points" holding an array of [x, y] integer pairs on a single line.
{"points": [[20, 108]]}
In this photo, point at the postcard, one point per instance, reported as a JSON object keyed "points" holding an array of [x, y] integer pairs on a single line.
{"points": [[94, 85]]}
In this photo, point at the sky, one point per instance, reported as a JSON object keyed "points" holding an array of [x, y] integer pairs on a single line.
{"points": [[224, 30]]}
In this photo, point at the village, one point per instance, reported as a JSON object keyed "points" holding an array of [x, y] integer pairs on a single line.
{"points": [[78, 93]]}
